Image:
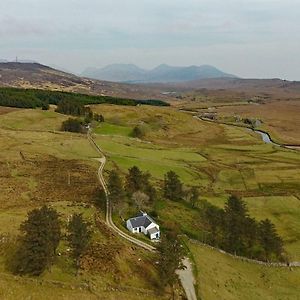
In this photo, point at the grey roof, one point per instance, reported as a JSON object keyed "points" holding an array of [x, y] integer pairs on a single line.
{"points": [[140, 221], [153, 230]]}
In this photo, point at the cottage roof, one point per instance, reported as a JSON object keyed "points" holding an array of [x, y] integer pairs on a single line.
{"points": [[140, 221]]}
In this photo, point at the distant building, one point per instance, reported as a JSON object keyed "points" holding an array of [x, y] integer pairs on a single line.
{"points": [[209, 115], [145, 224]]}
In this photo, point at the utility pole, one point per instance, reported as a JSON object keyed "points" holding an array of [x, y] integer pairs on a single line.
{"points": [[69, 178]]}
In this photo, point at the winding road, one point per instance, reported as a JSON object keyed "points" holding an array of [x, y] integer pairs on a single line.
{"points": [[186, 275], [108, 216]]}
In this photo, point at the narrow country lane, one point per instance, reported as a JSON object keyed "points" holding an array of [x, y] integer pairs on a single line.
{"points": [[186, 275], [187, 279], [108, 217]]}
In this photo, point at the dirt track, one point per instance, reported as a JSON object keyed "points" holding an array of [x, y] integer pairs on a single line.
{"points": [[186, 275], [108, 217]]}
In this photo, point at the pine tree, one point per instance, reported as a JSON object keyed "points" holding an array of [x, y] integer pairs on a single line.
{"points": [[151, 192], [78, 236], [236, 215], [115, 187], [270, 240], [137, 181], [41, 236], [214, 219], [170, 256], [250, 237], [194, 196], [173, 187], [100, 200], [134, 180]]}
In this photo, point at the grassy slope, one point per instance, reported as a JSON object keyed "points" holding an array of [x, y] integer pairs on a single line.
{"points": [[32, 119], [39, 175], [222, 277], [220, 159], [157, 160], [237, 162]]}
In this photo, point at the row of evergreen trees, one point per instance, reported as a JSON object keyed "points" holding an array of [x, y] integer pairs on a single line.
{"points": [[234, 230], [72, 108], [33, 98], [40, 236], [77, 124]]}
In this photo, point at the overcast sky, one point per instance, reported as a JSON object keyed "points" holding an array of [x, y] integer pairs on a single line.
{"points": [[249, 38]]}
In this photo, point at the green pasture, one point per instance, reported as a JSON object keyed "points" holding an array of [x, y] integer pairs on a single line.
{"points": [[112, 129], [32, 119], [219, 159], [58, 144], [220, 276], [126, 152], [284, 212]]}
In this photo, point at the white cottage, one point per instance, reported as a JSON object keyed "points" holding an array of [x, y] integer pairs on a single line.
{"points": [[145, 224]]}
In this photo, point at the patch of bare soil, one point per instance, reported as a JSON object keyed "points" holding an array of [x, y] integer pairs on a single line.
{"points": [[6, 110]]}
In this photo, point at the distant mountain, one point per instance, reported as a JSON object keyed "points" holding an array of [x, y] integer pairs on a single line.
{"points": [[160, 74], [116, 72]]}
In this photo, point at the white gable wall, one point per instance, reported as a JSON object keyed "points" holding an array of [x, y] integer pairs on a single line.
{"points": [[129, 226], [144, 230], [153, 235]]}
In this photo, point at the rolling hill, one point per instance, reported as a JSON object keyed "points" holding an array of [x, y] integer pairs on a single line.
{"points": [[35, 75]]}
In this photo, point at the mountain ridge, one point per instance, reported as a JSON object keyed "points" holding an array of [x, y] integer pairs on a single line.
{"points": [[163, 73]]}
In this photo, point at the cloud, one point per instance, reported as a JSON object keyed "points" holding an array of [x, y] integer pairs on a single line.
{"points": [[13, 27], [152, 29]]}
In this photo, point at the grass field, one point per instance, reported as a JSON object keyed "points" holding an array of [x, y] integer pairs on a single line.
{"points": [[219, 159], [163, 125], [32, 119], [38, 166], [220, 276], [238, 163], [111, 129], [127, 152]]}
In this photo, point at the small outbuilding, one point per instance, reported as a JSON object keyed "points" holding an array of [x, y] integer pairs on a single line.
{"points": [[145, 224]]}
